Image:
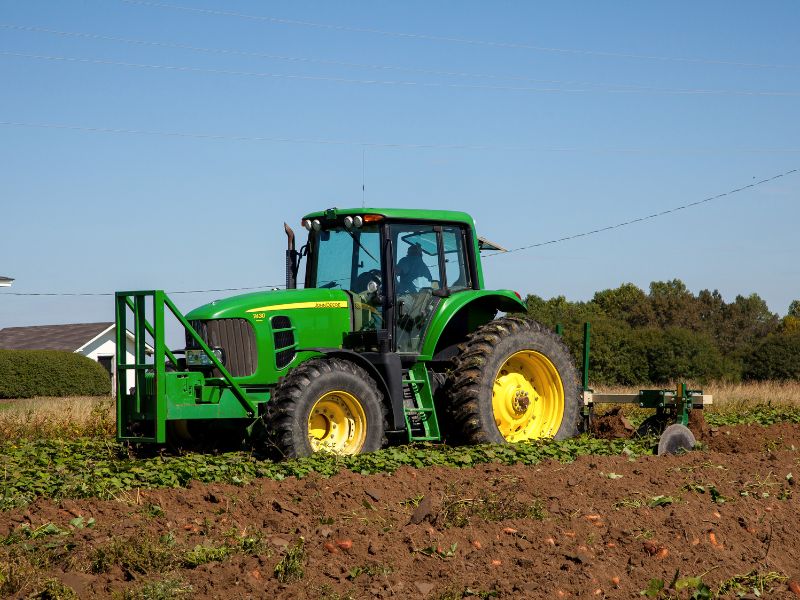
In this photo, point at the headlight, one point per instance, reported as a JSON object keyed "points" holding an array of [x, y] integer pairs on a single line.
{"points": [[198, 358]]}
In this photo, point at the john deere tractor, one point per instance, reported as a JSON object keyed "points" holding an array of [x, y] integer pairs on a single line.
{"points": [[391, 338]]}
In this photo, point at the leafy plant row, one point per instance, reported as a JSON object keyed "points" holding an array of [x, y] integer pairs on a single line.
{"points": [[87, 468], [757, 414]]}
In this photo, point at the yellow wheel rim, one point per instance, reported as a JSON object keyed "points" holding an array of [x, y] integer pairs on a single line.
{"points": [[337, 424], [527, 397]]}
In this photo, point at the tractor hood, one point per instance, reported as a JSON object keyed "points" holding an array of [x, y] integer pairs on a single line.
{"points": [[258, 306]]}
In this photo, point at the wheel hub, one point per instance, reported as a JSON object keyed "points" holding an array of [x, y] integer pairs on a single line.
{"points": [[337, 423], [521, 402]]}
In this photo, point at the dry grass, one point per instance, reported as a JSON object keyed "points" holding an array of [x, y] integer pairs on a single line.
{"points": [[65, 418], [728, 397], [82, 416], [736, 394]]}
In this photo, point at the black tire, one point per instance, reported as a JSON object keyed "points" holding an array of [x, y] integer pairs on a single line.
{"points": [[470, 382], [287, 414], [652, 425]]}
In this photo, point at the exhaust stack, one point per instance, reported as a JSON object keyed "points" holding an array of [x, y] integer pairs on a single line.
{"points": [[292, 263]]}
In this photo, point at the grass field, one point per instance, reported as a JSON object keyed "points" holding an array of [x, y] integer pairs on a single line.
{"points": [[67, 418]]}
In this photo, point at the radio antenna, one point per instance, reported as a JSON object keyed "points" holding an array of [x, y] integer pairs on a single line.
{"points": [[363, 176]]}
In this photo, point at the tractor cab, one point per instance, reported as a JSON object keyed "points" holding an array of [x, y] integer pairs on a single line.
{"points": [[396, 266]]}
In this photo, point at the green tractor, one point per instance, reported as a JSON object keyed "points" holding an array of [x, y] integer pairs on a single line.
{"points": [[392, 339]]}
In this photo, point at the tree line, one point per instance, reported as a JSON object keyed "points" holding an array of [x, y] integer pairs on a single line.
{"points": [[670, 334]]}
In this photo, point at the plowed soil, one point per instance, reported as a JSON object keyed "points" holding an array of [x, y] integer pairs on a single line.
{"points": [[599, 527]]}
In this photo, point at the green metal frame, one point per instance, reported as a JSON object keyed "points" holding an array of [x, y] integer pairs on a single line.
{"points": [[148, 401], [674, 404]]}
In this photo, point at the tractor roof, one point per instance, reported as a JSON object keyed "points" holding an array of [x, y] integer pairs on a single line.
{"points": [[397, 213]]}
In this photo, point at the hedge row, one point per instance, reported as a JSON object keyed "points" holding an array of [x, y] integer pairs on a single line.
{"points": [[670, 334], [29, 373]]}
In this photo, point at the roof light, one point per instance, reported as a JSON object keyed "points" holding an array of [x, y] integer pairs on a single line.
{"points": [[316, 224], [348, 221], [358, 221], [372, 218], [306, 223]]}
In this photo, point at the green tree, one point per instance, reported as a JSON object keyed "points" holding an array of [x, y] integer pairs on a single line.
{"points": [[674, 305], [711, 308], [776, 357], [626, 303], [677, 354], [745, 321], [794, 309], [617, 356]]}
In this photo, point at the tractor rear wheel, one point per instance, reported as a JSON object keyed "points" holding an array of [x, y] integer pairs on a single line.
{"points": [[326, 404], [513, 381]]}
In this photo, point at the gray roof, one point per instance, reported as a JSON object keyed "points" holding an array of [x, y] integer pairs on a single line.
{"points": [[51, 337]]}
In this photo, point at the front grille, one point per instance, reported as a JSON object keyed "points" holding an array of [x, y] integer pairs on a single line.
{"points": [[281, 322], [237, 340], [284, 340]]}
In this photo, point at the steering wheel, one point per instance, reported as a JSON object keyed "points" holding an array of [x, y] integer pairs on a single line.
{"points": [[362, 281]]}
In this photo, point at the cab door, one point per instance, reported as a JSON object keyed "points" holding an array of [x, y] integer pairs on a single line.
{"points": [[430, 263]]}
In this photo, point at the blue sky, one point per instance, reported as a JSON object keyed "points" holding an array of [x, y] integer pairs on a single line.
{"points": [[575, 115]]}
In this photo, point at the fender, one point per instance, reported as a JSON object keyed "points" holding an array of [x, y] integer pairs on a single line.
{"points": [[478, 306]]}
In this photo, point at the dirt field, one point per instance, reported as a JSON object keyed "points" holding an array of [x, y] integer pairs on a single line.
{"points": [[599, 527]]}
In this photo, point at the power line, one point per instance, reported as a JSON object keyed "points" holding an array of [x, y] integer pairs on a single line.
{"points": [[648, 217], [337, 63], [457, 40], [402, 83], [238, 289], [536, 245], [400, 145]]}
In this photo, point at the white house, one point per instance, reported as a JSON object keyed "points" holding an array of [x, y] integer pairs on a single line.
{"points": [[97, 341], [6, 281]]}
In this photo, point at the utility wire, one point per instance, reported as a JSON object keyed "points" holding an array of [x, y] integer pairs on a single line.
{"points": [[537, 245], [238, 289], [403, 83], [457, 40], [337, 63], [648, 217], [333, 142]]}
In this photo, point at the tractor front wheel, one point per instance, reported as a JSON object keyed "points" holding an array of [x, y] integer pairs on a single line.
{"points": [[326, 404], [513, 381]]}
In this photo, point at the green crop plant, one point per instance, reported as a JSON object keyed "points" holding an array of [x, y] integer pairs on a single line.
{"points": [[99, 469], [165, 589], [370, 570], [142, 555], [201, 555], [458, 508], [760, 584], [53, 589], [291, 566]]}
